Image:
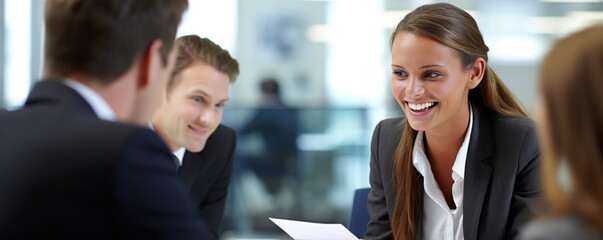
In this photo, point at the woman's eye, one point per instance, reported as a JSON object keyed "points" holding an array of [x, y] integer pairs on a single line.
{"points": [[197, 99], [400, 74], [220, 105], [431, 74]]}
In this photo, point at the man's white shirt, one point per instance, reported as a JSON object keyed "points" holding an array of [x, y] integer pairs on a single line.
{"points": [[178, 153], [98, 104]]}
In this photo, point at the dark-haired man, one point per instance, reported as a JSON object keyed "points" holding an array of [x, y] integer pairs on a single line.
{"points": [[67, 169]]}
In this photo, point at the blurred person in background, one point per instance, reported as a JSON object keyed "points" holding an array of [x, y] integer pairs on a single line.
{"points": [[188, 120], [67, 169], [570, 121], [277, 125], [464, 161]]}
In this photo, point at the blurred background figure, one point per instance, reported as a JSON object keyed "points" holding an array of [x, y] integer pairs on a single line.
{"points": [[277, 127], [266, 162], [571, 135]]}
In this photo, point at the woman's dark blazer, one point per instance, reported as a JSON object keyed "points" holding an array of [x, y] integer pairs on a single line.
{"points": [[501, 176]]}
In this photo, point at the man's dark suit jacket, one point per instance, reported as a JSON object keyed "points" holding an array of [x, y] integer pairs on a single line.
{"points": [[207, 175], [501, 176], [66, 174]]}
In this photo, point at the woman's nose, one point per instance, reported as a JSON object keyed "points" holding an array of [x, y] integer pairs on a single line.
{"points": [[414, 88]]}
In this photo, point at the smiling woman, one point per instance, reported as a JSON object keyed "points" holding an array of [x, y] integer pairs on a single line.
{"points": [[430, 84], [463, 163]]}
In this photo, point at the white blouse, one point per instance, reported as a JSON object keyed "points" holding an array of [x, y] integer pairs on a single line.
{"points": [[439, 221]]}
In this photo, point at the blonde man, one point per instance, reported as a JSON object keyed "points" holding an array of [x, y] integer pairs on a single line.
{"points": [[188, 120]]}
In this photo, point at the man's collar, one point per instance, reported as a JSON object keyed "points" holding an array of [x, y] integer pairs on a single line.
{"points": [[98, 104]]}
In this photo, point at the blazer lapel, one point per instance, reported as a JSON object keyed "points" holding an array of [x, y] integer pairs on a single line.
{"points": [[419, 218], [191, 164], [478, 170]]}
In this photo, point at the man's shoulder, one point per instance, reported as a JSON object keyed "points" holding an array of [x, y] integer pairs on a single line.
{"points": [[106, 131], [71, 132], [130, 137], [222, 137], [225, 131], [220, 144]]}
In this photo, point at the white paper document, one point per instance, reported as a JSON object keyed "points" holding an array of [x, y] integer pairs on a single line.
{"points": [[299, 230]]}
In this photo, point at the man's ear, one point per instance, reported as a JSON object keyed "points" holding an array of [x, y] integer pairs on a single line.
{"points": [[477, 73], [148, 61]]}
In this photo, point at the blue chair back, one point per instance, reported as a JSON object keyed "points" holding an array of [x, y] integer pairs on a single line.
{"points": [[359, 216]]}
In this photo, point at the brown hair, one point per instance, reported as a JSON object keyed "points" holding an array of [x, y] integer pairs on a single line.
{"points": [[193, 49], [571, 83], [101, 39], [454, 28]]}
